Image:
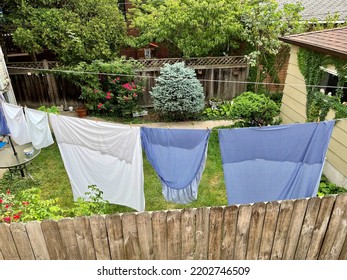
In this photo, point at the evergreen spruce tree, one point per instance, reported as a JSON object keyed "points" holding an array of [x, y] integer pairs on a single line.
{"points": [[178, 94]]}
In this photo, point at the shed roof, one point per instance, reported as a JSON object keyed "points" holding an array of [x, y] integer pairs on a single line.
{"points": [[329, 41], [319, 9]]}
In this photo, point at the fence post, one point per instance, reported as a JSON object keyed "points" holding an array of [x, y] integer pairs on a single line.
{"points": [[52, 85]]}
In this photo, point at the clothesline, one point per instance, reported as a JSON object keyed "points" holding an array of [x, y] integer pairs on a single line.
{"points": [[154, 77], [109, 155]]}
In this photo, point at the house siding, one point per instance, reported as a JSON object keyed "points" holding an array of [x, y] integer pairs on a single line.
{"points": [[3, 75], [293, 110]]}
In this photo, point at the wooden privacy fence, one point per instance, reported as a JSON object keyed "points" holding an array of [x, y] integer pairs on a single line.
{"points": [[221, 77], [34, 89], [312, 229]]}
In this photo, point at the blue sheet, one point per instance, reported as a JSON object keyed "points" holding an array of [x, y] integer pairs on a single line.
{"points": [[274, 162], [178, 156], [3, 124]]}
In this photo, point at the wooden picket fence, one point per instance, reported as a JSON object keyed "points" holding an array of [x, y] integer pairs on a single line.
{"points": [[312, 229]]}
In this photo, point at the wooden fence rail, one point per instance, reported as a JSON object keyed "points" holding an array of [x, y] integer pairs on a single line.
{"points": [[314, 228]]}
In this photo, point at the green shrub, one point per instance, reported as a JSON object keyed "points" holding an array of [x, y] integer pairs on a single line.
{"points": [[254, 109], [221, 111], [275, 96], [178, 94], [53, 109], [326, 187], [92, 204], [28, 205]]}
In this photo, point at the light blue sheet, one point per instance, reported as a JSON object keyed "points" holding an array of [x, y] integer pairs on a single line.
{"points": [[178, 156], [275, 162], [3, 124]]}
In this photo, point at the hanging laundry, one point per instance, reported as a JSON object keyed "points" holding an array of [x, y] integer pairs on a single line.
{"points": [[102, 154], [4, 130], [274, 162], [39, 130], [178, 156], [16, 123]]}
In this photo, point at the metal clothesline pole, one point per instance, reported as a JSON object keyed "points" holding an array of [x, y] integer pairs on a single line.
{"points": [[12, 146]]}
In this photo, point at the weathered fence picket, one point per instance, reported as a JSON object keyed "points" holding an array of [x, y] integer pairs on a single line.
{"points": [[314, 228], [54, 243], [100, 240], [299, 210], [69, 239], [229, 232], [22, 241], [115, 236], [174, 237], [7, 245], [202, 233], [320, 227], [159, 228], [242, 231], [215, 233], [131, 237], [255, 231], [144, 226], [307, 228], [336, 232], [188, 217], [37, 241], [269, 229], [84, 238], [283, 223]]}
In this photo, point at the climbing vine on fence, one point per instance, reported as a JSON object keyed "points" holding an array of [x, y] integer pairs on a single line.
{"points": [[318, 104]]}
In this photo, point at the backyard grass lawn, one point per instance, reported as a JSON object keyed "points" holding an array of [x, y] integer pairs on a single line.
{"points": [[49, 174]]}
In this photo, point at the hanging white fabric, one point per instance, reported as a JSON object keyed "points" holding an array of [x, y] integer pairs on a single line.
{"points": [[16, 123], [107, 138], [39, 130], [102, 154]]}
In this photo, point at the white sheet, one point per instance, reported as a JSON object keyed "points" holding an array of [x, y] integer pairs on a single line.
{"points": [[39, 130], [102, 154], [107, 138], [16, 123]]}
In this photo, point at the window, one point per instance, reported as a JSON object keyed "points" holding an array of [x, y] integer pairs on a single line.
{"points": [[329, 84]]}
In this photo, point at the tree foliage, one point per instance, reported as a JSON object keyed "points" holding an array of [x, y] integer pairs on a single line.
{"points": [[264, 23], [196, 27], [74, 30]]}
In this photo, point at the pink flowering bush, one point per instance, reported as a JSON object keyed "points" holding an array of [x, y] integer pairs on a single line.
{"points": [[113, 97], [121, 96], [108, 88]]}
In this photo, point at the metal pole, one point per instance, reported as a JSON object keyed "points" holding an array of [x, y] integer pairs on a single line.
{"points": [[12, 146]]}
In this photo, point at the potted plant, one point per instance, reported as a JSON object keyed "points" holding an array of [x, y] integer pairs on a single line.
{"points": [[90, 98], [81, 111]]}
